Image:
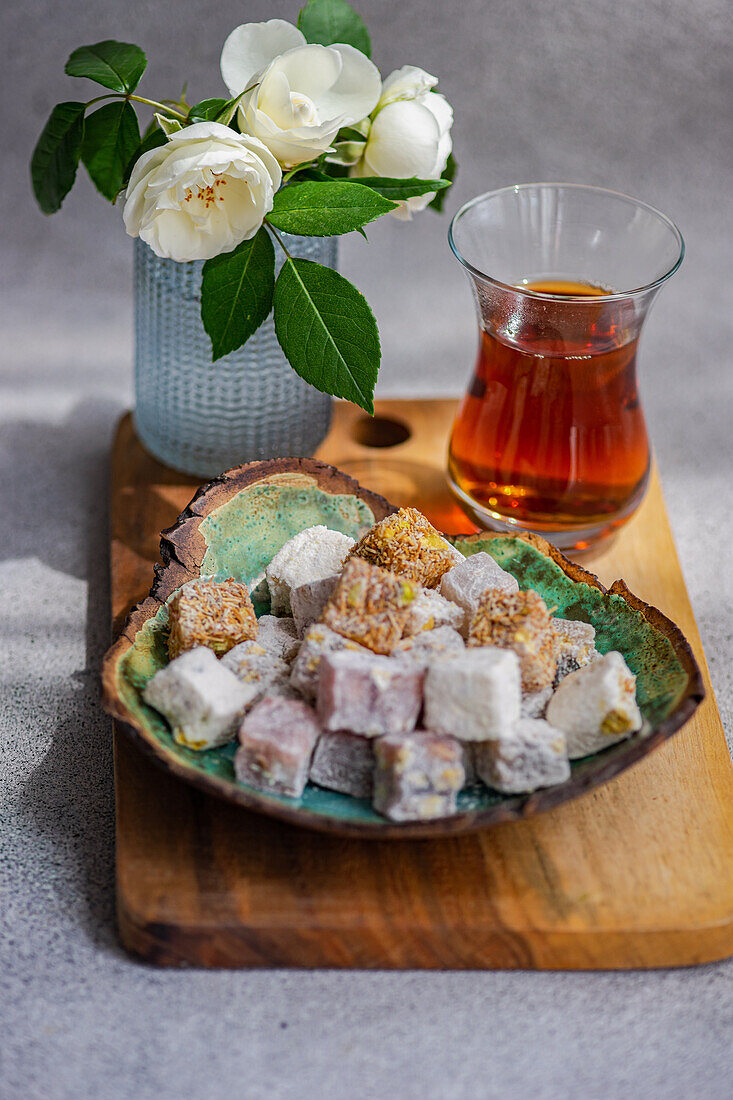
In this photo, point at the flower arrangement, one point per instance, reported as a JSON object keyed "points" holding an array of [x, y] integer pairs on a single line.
{"points": [[311, 142]]}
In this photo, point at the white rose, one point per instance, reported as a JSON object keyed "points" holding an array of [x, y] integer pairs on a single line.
{"points": [[202, 193], [409, 134], [303, 94]]}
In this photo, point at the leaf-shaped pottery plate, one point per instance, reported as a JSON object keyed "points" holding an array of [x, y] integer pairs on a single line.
{"points": [[235, 525]]}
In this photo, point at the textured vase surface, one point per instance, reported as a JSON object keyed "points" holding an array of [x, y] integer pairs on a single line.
{"points": [[202, 417]]}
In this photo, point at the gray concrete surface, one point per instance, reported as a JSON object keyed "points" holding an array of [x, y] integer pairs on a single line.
{"points": [[635, 95]]}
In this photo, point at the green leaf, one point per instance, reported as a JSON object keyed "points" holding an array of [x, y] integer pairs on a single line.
{"points": [[152, 140], [313, 209], [329, 21], [169, 126], [111, 138], [115, 65], [327, 331], [449, 174], [56, 156], [402, 189], [207, 110], [236, 293]]}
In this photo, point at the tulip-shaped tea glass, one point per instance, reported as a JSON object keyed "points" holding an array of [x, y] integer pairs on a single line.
{"points": [[550, 436]]}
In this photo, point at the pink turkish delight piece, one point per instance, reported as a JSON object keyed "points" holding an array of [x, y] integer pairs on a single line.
{"points": [[417, 776], [344, 762], [276, 741], [369, 694], [307, 601]]}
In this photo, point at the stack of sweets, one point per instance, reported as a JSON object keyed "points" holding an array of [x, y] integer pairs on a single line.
{"points": [[392, 669]]}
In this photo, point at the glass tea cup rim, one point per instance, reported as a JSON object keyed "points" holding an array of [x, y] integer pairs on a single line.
{"points": [[616, 295]]}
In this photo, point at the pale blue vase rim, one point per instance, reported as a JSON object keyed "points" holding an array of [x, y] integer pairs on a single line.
{"points": [[592, 189]]}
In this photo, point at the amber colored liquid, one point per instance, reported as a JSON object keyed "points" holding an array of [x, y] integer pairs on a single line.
{"points": [[551, 436]]}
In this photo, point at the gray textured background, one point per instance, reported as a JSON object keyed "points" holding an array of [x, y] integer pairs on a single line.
{"points": [[634, 95]]}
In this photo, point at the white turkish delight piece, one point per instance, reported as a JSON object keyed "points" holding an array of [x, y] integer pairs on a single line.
{"points": [[596, 706], [310, 555], [308, 600], [430, 611], [466, 583], [533, 755], [200, 697], [473, 695], [258, 670], [369, 693], [319, 639], [276, 742], [534, 703], [574, 643], [417, 776], [279, 636], [429, 644], [344, 762]]}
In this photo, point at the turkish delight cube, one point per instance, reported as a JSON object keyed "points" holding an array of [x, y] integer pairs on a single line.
{"points": [[575, 646], [279, 636], [201, 699], [307, 601], [344, 762], [473, 695], [417, 776], [257, 670], [534, 755], [310, 555], [369, 694], [370, 606], [466, 583], [521, 622], [276, 742], [430, 611], [406, 543], [596, 706], [429, 644], [211, 613], [318, 640]]}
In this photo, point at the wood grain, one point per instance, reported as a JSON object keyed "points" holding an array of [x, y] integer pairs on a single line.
{"points": [[636, 873]]}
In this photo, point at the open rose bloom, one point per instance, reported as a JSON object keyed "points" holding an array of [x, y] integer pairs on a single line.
{"points": [[299, 95], [202, 193]]}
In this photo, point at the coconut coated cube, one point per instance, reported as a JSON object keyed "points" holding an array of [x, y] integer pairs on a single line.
{"points": [[574, 646], [276, 742], [201, 699], [406, 543], [279, 636], [534, 755], [466, 583], [596, 706], [369, 694], [370, 606], [344, 762], [430, 611], [308, 600], [417, 776], [521, 622], [258, 670], [430, 644], [473, 695], [215, 614], [319, 640], [310, 555]]}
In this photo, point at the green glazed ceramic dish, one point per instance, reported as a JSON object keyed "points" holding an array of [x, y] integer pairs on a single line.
{"points": [[235, 525]]}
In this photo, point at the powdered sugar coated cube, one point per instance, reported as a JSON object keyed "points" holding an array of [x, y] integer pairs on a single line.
{"points": [[417, 776], [369, 694], [276, 741], [201, 699], [533, 755], [596, 705], [473, 695], [310, 555], [466, 583], [308, 600], [319, 639], [279, 636], [344, 762]]}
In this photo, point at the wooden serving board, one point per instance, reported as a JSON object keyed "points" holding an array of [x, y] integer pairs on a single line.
{"points": [[637, 873]]}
